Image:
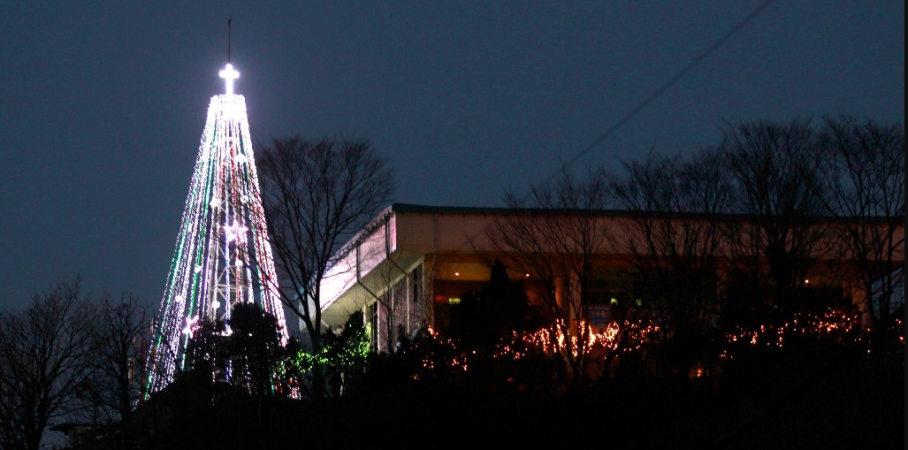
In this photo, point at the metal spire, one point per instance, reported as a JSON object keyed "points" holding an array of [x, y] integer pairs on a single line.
{"points": [[229, 74]]}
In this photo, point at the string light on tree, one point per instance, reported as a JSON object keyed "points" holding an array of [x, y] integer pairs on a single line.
{"points": [[222, 255]]}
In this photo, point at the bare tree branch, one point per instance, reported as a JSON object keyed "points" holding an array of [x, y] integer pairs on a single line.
{"points": [[44, 360], [316, 195]]}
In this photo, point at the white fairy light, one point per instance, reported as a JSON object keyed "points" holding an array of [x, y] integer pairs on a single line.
{"points": [[222, 254]]}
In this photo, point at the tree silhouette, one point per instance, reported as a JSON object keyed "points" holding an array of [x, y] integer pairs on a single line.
{"points": [[316, 195], [866, 174], [44, 361], [776, 178], [675, 238], [245, 352], [555, 235], [486, 319]]}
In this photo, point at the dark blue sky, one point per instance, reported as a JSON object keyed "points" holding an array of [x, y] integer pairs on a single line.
{"points": [[102, 103]]}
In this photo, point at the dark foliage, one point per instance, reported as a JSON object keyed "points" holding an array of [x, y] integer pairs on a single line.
{"points": [[316, 195], [486, 318], [733, 368], [247, 357], [812, 394]]}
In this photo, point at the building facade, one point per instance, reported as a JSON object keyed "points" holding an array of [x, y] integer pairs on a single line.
{"points": [[412, 263]]}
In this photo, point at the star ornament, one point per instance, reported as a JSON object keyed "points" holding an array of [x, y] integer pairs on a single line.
{"points": [[191, 326], [236, 232]]}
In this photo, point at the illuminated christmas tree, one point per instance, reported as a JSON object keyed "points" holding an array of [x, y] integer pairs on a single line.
{"points": [[222, 254]]}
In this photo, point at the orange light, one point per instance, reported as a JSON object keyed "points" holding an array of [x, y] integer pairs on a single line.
{"points": [[456, 274]]}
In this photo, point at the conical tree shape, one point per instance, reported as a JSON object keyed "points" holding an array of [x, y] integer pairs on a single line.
{"points": [[222, 254]]}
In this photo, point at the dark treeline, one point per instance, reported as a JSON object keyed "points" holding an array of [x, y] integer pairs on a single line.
{"points": [[68, 358], [709, 351]]}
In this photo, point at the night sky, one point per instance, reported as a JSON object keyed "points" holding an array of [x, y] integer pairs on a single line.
{"points": [[102, 103]]}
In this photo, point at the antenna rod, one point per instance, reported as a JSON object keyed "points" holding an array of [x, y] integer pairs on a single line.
{"points": [[229, 20]]}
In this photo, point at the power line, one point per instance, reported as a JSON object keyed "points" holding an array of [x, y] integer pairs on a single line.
{"points": [[627, 117], [671, 82]]}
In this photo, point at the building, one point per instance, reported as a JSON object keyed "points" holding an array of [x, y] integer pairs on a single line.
{"points": [[411, 263]]}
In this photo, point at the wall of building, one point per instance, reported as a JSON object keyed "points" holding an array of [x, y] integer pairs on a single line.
{"points": [[410, 264]]}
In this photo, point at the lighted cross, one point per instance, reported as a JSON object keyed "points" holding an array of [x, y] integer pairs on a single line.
{"points": [[229, 75]]}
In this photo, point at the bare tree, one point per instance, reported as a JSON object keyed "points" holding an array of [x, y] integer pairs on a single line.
{"points": [[44, 352], [118, 345], [675, 239], [866, 175], [316, 195], [401, 305], [779, 190], [391, 302], [557, 243]]}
